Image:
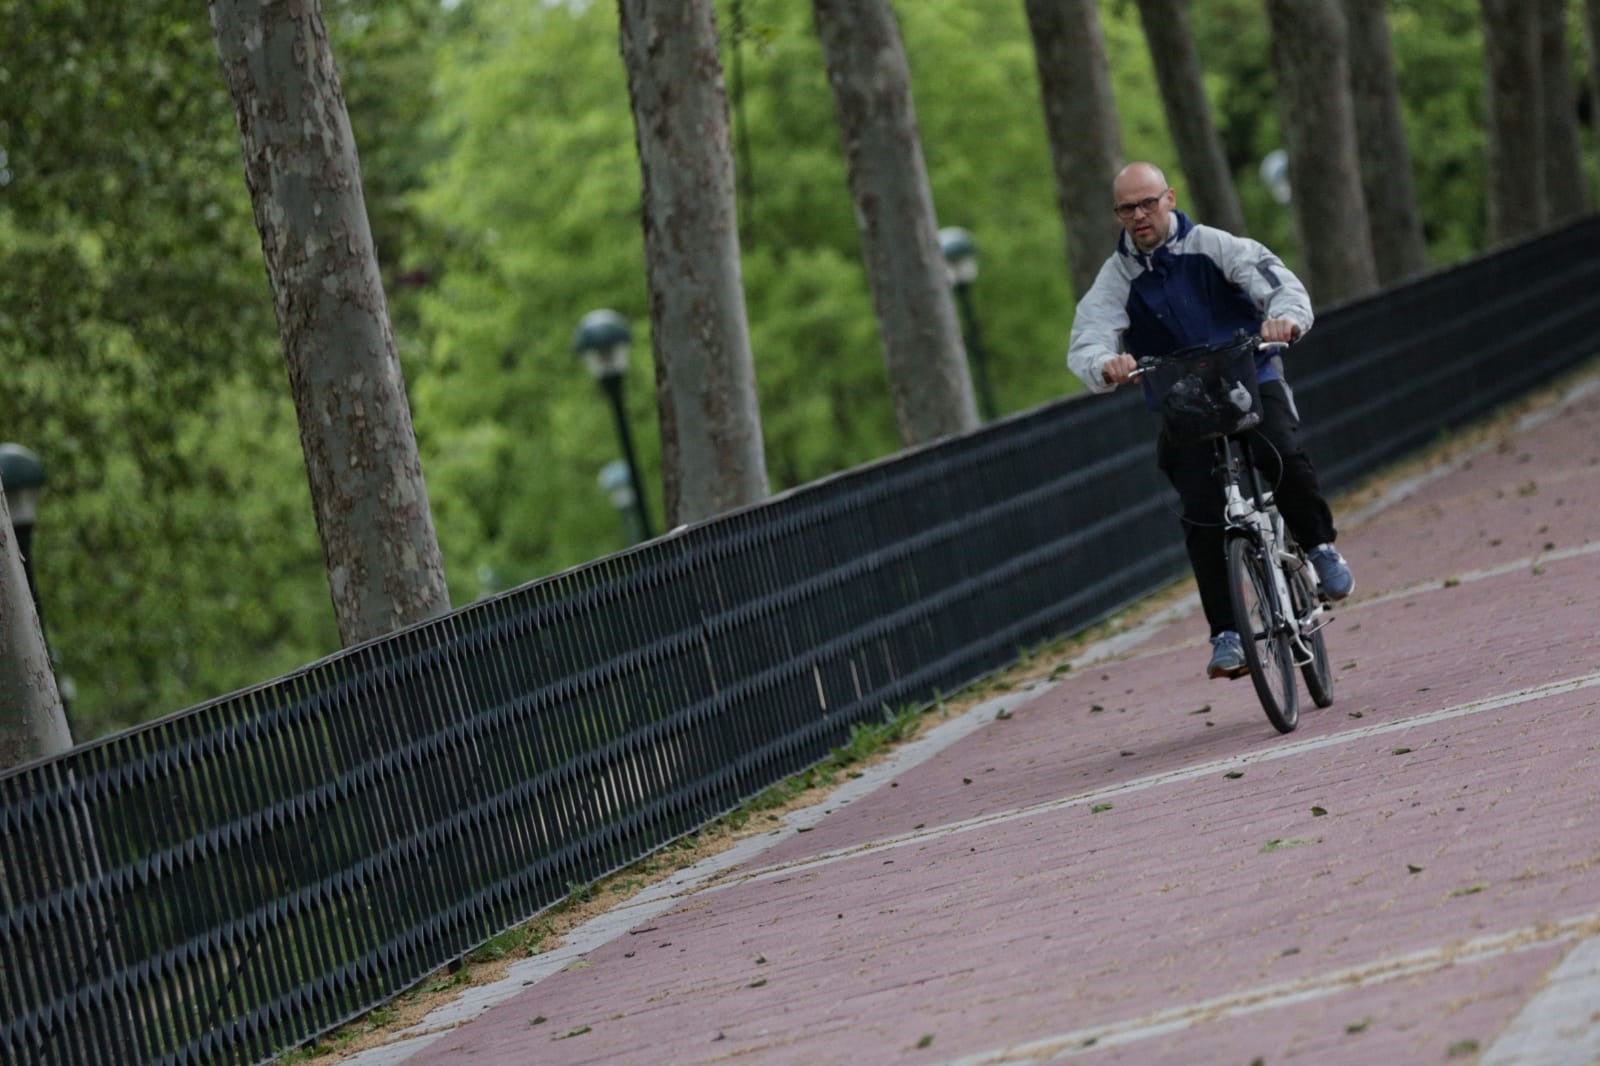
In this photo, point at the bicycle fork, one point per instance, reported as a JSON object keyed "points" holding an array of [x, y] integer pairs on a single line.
{"points": [[1266, 531]]}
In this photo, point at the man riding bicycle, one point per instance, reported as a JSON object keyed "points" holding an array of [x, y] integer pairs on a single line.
{"points": [[1171, 284]]}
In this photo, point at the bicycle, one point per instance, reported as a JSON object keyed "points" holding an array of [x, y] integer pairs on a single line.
{"points": [[1210, 393]]}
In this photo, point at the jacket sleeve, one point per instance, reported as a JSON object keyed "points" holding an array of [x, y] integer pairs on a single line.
{"points": [[1097, 327], [1273, 287]]}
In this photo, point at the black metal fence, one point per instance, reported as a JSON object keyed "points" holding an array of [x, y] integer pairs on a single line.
{"points": [[230, 881]]}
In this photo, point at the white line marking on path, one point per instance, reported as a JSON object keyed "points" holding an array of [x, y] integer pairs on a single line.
{"points": [[1533, 419], [666, 894], [1188, 773], [1134, 652], [1522, 565], [699, 878], [1559, 1025], [1289, 993]]}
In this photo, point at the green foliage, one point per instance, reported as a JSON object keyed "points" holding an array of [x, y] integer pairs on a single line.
{"points": [[1439, 63], [1235, 50], [537, 180], [983, 133], [1444, 121], [177, 555], [142, 349]]}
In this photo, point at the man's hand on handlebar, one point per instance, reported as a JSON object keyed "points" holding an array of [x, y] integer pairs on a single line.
{"points": [[1119, 369], [1123, 368], [1279, 331]]}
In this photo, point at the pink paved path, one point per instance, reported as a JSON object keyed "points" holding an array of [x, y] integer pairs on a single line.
{"points": [[1134, 867]]}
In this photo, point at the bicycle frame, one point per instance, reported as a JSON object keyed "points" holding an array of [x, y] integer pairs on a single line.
{"points": [[1249, 511]]}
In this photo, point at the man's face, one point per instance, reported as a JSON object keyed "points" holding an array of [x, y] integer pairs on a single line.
{"points": [[1144, 207]]}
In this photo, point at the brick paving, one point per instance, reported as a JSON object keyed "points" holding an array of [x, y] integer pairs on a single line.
{"points": [[1134, 867]]}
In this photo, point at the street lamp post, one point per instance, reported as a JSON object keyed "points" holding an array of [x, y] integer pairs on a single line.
{"points": [[961, 263], [603, 339], [22, 478], [616, 481]]}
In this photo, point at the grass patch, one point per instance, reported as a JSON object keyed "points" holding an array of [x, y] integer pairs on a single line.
{"points": [[1279, 845]]}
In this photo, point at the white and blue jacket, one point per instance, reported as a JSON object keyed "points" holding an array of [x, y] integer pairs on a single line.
{"points": [[1200, 286]]}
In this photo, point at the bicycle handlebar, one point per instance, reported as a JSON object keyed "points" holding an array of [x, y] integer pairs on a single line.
{"points": [[1150, 362]]}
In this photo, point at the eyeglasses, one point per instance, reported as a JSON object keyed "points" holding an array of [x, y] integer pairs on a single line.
{"points": [[1147, 205]]}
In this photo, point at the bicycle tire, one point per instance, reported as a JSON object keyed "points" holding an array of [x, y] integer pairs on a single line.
{"points": [[1317, 672], [1267, 647]]}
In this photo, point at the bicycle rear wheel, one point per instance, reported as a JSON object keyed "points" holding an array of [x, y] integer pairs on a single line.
{"points": [[1267, 644], [1317, 672]]}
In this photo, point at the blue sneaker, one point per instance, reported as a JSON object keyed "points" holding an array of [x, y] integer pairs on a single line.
{"points": [[1332, 571], [1227, 656]]}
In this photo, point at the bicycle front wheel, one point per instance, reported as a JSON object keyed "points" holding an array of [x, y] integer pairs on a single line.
{"points": [[1268, 647]]}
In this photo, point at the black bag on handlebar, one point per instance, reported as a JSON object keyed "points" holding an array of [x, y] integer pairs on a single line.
{"points": [[1203, 393]]}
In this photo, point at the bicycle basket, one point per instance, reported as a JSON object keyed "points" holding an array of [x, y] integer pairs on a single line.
{"points": [[1207, 393]]}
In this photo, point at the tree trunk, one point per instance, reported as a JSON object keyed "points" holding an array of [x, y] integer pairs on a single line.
{"points": [[383, 559], [923, 351], [1387, 183], [1515, 128], [1565, 184], [1591, 39], [1081, 120], [711, 448], [1310, 62], [33, 724], [1188, 109]]}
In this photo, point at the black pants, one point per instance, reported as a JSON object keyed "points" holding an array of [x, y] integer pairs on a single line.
{"points": [[1287, 469]]}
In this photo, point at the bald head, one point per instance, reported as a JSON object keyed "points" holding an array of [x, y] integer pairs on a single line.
{"points": [[1143, 201], [1137, 174]]}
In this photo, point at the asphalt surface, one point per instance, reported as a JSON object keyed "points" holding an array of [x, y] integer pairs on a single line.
{"points": [[1127, 864]]}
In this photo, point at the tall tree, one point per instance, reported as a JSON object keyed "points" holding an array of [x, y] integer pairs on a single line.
{"points": [[711, 450], [923, 351], [33, 724], [1518, 204], [1188, 110], [1566, 188], [1591, 39], [1387, 183], [383, 559], [1081, 121], [1309, 60]]}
